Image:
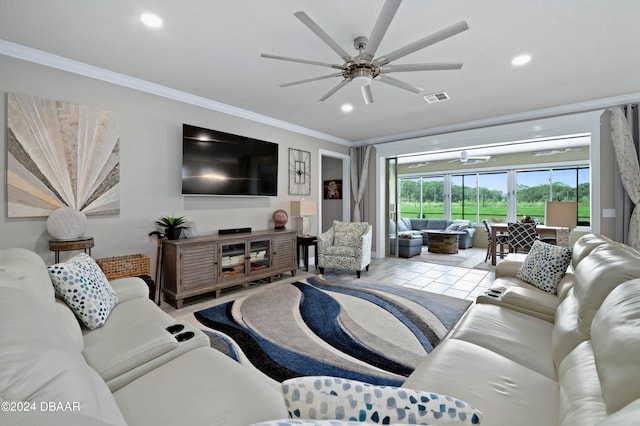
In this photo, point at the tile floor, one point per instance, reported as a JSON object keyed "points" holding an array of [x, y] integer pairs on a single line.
{"points": [[456, 281], [451, 280]]}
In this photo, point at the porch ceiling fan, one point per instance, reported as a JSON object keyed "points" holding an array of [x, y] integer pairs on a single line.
{"points": [[363, 68], [466, 159]]}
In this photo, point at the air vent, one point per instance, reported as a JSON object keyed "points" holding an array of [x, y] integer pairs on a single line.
{"points": [[436, 97]]}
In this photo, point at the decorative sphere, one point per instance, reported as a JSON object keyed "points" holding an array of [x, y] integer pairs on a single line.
{"points": [[66, 223], [280, 218]]}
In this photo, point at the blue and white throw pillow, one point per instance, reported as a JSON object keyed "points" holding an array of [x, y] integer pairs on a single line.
{"points": [[85, 288], [544, 266], [334, 398]]}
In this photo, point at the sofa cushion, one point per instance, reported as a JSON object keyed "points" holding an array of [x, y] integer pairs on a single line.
{"points": [[507, 392], [615, 334], [85, 288], [41, 363], [580, 401], [419, 224], [597, 274], [403, 225], [29, 270], [203, 387], [500, 330], [326, 398], [438, 224], [544, 266]]}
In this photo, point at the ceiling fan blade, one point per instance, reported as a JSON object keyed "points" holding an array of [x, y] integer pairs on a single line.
{"points": [[398, 83], [423, 42], [304, 18], [366, 94], [309, 80], [334, 90], [420, 67], [302, 61], [387, 13]]}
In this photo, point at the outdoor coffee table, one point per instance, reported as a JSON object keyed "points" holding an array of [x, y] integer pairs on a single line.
{"points": [[444, 242]]}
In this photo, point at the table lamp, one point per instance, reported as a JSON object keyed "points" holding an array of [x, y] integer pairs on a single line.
{"points": [[563, 214], [302, 210]]}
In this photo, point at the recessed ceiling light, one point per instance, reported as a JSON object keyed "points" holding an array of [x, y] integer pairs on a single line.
{"points": [[151, 20], [347, 108], [521, 60]]}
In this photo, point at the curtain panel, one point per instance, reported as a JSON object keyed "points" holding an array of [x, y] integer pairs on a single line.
{"points": [[359, 158], [628, 166]]}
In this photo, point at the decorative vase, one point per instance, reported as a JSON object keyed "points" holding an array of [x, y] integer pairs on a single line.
{"points": [[173, 233], [66, 223]]}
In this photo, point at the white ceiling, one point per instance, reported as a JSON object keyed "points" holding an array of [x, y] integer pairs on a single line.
{"points": [[582, 50]]}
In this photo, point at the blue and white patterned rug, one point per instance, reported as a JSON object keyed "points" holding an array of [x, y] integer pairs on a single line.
{"points": [[350, 328]]}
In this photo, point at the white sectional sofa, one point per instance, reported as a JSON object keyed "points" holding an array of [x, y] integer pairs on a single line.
{"points": [[520, 356], [130, 371], [525, 357]]}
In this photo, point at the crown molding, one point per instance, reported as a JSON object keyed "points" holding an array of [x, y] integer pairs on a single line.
{"points": [[576, 108], [40, 57]]}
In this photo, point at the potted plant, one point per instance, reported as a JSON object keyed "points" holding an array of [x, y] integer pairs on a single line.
{"points": [[172, 226]]}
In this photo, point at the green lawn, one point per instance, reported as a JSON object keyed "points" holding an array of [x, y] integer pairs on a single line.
{"points": [[436, 210]]}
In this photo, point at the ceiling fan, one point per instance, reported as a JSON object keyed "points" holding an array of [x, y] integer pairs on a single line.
{"points": [[466, 159], [555, 151], [364, 67]]}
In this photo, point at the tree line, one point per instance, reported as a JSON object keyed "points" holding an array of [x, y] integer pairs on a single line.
{"points": [[433, 192]]}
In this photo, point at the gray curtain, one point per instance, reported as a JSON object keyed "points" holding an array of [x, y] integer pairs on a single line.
{"points": [[623, 121], [359, 177]]}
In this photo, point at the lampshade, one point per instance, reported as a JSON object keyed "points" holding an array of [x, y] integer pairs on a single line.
{"points": [[561, 213], [303, 208]]}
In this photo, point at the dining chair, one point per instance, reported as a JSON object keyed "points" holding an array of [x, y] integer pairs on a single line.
{"points": [[501, 239], [521, 236]]}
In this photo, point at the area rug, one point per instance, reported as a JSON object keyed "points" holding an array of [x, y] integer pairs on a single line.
{"points": [[351, 328]]}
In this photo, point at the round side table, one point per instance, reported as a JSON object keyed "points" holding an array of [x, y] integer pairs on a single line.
{"points": [[82, 243]]}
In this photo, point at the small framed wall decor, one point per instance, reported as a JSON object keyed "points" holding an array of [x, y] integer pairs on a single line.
{"points": [[333, 189], [299, 172]]}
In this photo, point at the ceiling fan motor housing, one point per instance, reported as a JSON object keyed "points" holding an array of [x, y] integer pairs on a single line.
{"points": [[361, 74]]}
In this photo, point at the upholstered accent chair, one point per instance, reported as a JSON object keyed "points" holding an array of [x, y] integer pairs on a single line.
{"points": [[521, 236], [346, 245]]}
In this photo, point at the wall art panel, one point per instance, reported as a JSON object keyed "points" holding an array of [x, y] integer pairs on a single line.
{"points": [[61, 154]]}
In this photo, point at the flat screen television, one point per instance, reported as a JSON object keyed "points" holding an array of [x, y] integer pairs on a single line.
{"points": [[219, 163]]}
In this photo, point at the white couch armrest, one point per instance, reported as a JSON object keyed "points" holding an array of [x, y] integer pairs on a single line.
{"points": [[507, 269], [130, 288]]}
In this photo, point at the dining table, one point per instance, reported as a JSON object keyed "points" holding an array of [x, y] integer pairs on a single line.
{"points": [[561, 235]]}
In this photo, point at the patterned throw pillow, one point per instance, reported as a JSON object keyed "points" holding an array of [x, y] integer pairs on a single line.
{"points": [[452, 227], [544, 266], [290, 422], [85, 288], [333, 398], [461, 225]]}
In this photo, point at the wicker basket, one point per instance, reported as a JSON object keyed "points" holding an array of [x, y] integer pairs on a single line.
{"points": [[131, 265]]}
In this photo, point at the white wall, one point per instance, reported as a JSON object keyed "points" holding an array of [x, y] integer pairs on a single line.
{"points": [[150, 164]]}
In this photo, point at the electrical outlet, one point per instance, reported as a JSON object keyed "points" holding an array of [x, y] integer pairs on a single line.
{"points": [[608, 212]]}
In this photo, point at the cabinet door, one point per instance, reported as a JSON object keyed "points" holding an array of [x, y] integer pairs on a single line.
{"points": [[199, 266], [233, 259], [259, 255], [284, 252]]}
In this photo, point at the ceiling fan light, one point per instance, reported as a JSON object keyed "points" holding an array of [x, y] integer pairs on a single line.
{"points": [[361, 78]]}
